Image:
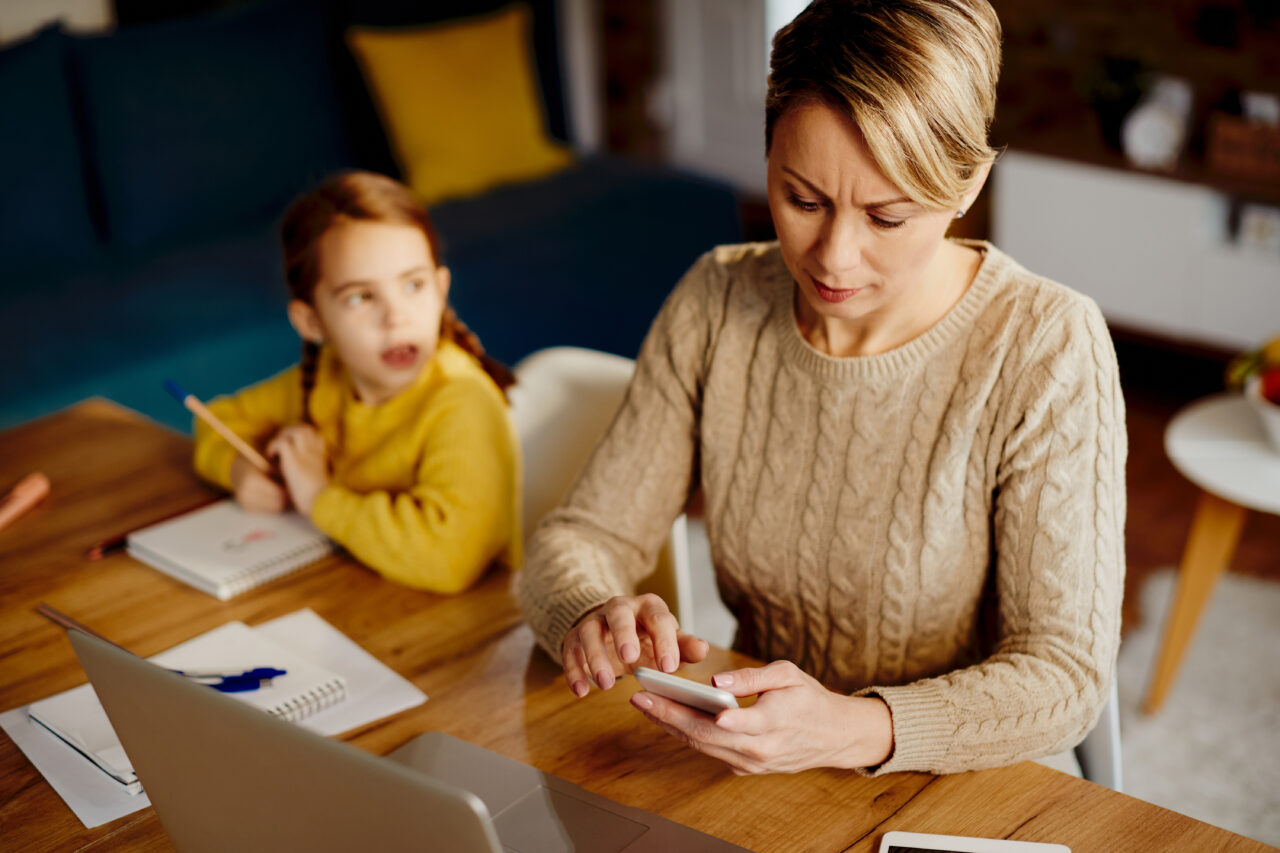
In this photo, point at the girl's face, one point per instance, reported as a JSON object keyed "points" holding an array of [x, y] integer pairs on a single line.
{"points": [[378, 302], [858, 248]]}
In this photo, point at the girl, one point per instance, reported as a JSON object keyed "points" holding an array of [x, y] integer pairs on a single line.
{"points": [[392, 434]]}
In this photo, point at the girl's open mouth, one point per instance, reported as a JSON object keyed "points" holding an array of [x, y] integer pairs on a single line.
{"points": [[405, 355]]}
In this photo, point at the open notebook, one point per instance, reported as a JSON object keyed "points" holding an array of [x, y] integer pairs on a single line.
{"points": [[77, 717], [223, 550]]}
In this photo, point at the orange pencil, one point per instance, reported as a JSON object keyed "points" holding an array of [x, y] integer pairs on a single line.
{"points": [[200, 411], [25, 494]]}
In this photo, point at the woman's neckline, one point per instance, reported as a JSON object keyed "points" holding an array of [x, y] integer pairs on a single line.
{"points": [[893, 360]]}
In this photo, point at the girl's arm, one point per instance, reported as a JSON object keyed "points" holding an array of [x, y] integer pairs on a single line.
{"points": [[462, 511], [255, 414], [1059, 550]]}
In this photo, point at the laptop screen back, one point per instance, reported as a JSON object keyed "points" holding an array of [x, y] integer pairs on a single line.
{"points": [[225, 776]]}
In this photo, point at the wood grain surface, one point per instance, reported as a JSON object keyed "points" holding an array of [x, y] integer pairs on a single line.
{"points": [[112, 471]]}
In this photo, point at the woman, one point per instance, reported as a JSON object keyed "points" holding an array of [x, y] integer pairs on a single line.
{"points": [[911, 449]]}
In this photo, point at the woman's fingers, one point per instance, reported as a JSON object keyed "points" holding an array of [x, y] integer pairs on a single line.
{"points": [[591, 634], [575, 666], [622, 625], [697, 730], [656, 618], [692, 649], [758, 679], [624, 632]]}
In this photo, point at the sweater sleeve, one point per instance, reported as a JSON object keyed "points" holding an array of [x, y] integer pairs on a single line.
{"points": [[459, 514], [1059, 511], [605, 536], [255, 414]]}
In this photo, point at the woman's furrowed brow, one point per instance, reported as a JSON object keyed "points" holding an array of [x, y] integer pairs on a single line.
{"points": [[868, 206]]}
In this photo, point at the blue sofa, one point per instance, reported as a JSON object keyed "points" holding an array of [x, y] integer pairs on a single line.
{"points": [[147, 170]]}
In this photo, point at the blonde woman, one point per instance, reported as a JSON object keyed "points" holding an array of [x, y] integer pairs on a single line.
{"points": [[911, 448]]}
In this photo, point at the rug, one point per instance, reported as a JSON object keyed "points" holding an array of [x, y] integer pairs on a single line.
{"points": [[1212, 751]]}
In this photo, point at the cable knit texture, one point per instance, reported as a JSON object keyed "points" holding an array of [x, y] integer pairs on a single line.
{"points": [[940, 525]]}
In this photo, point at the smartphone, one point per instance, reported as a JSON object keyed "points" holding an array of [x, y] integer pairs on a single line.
{"points": [[704, 697]]}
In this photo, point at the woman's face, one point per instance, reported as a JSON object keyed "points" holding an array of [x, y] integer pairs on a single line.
{"points": [[857, 247]]}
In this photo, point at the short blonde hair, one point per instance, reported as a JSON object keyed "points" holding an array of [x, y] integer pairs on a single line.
{"points": [[918, 78]]}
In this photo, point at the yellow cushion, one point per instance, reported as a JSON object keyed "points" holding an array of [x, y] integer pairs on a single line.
{"points": [[460, 102]]}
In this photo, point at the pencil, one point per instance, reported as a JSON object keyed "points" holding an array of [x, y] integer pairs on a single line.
{"points": [[199, 409], [114, 543], [57, 617]]}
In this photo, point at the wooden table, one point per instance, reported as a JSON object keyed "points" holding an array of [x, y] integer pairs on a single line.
{"points": [[488, 683]]}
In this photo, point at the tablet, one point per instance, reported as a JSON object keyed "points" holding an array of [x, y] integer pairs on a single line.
{"points": [[920, 842]]}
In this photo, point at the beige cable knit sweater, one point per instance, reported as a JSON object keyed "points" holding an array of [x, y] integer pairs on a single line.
{"points": [[940, 525]]}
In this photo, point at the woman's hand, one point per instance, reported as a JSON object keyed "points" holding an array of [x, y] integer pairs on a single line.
{"points": [[301, 454], [254, 490], [796, 724], [624, 632]]}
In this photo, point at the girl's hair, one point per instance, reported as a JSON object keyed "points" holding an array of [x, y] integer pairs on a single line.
{"points": [[918, 78], [367, 196]]}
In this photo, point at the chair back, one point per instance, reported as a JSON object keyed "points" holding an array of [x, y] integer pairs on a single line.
{"points": [[1099, 752], [564, 401]]}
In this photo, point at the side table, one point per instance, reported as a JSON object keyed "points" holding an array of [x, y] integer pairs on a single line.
{"points": [[1218, 444]]}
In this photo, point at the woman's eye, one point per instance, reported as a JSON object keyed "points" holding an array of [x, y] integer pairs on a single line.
{"points": [[886, 224], [355, 299], [802, 204], [413, 285]]}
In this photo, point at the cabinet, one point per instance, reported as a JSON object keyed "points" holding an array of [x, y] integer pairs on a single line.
{"points": [[1156, 254]]}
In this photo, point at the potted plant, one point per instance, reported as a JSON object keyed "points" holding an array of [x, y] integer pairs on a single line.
{"points": [[1258, 373]]}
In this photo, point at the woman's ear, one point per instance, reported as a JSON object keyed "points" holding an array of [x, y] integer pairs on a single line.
{"points": [[969, 197], [306, 322]]}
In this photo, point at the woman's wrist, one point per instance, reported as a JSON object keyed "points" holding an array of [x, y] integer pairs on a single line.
{"points": [[869, 732]]}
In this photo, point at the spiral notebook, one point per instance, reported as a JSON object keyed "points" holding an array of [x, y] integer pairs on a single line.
{"points": [[77, 717], [223, 550]]}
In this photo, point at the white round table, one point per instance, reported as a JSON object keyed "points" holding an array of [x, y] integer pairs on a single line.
{"points": [[1217, 443]]}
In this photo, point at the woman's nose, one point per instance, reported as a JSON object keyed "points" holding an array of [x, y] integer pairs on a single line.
{"points": [[839, 248]]}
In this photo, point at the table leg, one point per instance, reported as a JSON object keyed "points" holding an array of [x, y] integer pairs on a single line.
{"points": [[1215, 530]]}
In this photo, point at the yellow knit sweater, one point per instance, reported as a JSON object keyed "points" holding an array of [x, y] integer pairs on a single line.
{"points": [[424, 489]]}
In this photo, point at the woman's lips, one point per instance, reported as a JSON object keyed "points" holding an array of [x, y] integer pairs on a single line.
{"points": [[832, 295], [400, 356]]}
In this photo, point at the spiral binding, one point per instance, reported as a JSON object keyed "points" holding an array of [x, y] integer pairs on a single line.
{"points": [[317, 699], [276, 567]]}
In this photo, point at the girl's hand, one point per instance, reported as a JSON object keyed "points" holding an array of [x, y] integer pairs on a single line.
{"points": [[303, 461], [796, 724], [254, 490], [624, 632]]}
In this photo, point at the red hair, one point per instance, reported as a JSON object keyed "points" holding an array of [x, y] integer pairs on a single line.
{"points": [[372, 197]]}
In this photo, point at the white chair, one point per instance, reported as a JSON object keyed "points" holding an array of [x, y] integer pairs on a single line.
{"points": [[565, 399], [1099, 752]]}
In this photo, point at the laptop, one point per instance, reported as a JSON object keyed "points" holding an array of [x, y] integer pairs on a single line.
{"points": [[223, 775]]}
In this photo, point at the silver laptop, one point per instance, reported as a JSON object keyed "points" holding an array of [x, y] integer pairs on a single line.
{"points": [[223, 775]]}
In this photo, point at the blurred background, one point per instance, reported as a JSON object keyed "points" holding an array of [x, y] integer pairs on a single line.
{"points": [[1141, 167]]}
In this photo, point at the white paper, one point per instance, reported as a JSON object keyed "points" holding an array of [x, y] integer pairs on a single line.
{"points": [[374, 691]]}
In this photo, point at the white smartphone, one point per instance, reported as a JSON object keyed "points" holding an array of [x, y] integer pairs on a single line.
{"points": [[921, 842], [704, 697]]}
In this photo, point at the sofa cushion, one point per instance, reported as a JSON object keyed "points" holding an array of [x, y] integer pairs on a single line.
{"points": [[416, 13], [584, 257], [197, 124], [461, 103], [44, 204]]}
